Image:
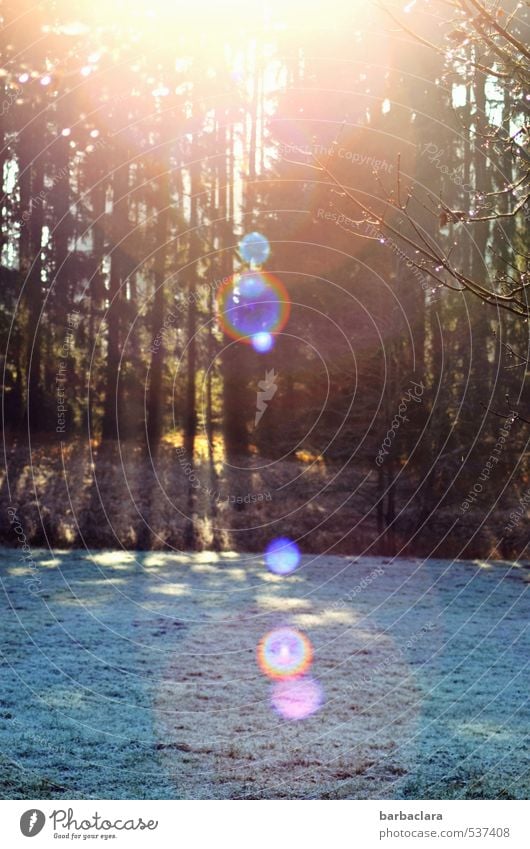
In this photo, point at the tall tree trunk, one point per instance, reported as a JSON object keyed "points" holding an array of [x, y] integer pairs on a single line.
{"points": [[479, 270], [33, 283], [119, 229], [190, 418], [154, 399], [96, 287], [236, 404]]}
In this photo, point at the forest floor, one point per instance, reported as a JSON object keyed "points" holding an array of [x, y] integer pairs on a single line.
{"points": [[71, 496], [134, 675]]}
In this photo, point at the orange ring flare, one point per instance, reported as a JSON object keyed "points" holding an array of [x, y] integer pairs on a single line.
{"points": [[253, 303], [284, 653]]}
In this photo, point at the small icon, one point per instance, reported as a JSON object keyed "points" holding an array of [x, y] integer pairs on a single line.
{"points": [[32, 822], [266, 391]]}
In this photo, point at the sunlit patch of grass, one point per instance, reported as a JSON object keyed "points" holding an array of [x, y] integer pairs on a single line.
{"points": [[205, 568], [170, 589], [236, 574], [19, 571], [328, 617], [483, 564], [484, 730], [104, 581], [274, 602], [305, 456], [153, 560], [116, 559], [175, 438]]}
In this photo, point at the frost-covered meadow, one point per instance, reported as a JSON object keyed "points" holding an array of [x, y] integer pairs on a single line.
{"points": [[135, 676]]}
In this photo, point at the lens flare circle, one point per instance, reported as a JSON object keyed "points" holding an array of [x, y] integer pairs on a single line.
{"points": [[297, 698], [262, 342], [252, 304], [282, 556], [254, 248], [284, 653]]}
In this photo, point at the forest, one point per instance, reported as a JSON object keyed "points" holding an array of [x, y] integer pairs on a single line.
{"points": [[370, 170]]}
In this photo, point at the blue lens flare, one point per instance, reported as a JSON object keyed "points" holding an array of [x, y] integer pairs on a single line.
{"points": [[254, 248], [252, 286], [282, 556], [262, 342]]}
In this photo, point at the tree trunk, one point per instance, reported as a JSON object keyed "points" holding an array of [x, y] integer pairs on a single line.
{"points": [[154, 400], [119, 229]]}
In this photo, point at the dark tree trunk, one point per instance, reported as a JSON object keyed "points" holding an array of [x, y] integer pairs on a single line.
{"points": [[119, 229], [33, 284], [154, 399]]}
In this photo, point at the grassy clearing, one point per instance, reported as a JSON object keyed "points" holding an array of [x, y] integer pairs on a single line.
{"points": [[133, 675]]}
